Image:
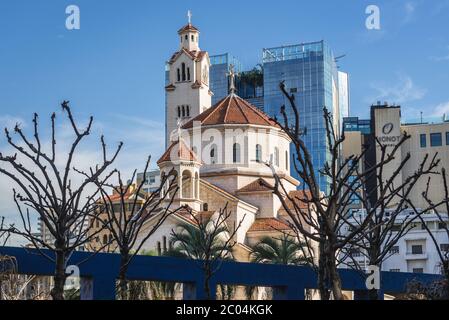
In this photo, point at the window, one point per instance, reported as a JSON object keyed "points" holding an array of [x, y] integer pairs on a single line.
{"points": [[236, 153], [442, 225], [179, 112], [293, 90], [417, 249], [396, 228], [205, 207], [164, 243], [436, 140], [447, 138], [422, 139], [187, 111], [258, 153], [286, 160], [193, 38], [159, 249], [394, 250], [276, 157], [213, 154], [418, 270], [188, 74], [179, 74], [183, 70], [186, 37], [183, 111], [444, 247], [395, 270], [105, 239]]}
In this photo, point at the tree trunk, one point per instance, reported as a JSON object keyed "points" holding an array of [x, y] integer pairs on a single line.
{"points": [[322, 275], [122, 280], [57, 292], [334, 276]]}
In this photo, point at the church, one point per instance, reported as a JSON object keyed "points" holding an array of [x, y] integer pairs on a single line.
{"points": [[220, 153]]}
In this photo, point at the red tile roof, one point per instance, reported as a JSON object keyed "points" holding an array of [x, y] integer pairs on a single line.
{"points": [[194, 55], [255, 186], [188, 27], [300, 198], [232, 110], [179, 151], [268, 224]]}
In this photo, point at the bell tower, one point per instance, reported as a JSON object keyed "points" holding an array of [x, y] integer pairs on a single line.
{"points": [[187, 90]]}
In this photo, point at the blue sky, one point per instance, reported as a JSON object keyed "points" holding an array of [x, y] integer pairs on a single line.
{"points": [[113, 67]]}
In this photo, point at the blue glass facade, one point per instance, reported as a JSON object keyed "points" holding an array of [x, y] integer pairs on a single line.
{"points": [[310, 72], [218, 78]]}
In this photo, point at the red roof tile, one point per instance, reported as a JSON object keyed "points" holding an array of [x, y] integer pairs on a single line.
{"points": [[180, 151], [268, 224], [188, 27], [255, 186], [232, 110]]}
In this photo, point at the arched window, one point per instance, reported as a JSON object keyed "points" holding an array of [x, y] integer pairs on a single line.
{"points": [[276, 156], [183, 71], [179, 74], [193, 38], [188, 111], [179, 112], [286, 160], [159, 249], [258, 153], [205, 207], [164, 243], [186, 37], [236, 153], [105, 239], [183, 112], [213, 154], [188, 74]]}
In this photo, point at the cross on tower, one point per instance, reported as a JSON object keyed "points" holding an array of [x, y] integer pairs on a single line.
{"points": [[189, 16], [231, 75]]}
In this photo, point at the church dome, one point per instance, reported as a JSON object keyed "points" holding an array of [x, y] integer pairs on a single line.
{"points": [[232, 110]]}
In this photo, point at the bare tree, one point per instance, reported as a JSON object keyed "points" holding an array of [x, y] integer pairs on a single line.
{"points": [[208, 241], [443, 286], [324, 219], [5, 232], [127, 216], [49, 191]]}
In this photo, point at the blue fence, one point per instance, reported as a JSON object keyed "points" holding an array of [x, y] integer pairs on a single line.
{"points": [[99, 272]]}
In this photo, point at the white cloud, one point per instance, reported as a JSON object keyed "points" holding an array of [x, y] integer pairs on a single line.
{"points": [[441, 58], [442, 108], [403, 90]]}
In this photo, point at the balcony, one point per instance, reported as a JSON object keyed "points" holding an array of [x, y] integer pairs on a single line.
{"points": [[416, 256]]}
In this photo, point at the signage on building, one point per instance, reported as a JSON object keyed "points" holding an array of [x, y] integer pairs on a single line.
{"points": [[387, 139]]}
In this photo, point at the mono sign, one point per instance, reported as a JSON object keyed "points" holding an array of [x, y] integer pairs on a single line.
{"points": [[387, 128], [386, 138]]}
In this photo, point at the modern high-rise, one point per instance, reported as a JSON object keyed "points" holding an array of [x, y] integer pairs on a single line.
{"points": [[218, 74], [309, 71]]}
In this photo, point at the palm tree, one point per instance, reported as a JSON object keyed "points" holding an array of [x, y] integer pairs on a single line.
{"points": [[279, 251], [207, 241]]}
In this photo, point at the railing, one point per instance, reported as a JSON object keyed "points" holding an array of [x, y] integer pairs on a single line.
{"points": [[99, 272]]}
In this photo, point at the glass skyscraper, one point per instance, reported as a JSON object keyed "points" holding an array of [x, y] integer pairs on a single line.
{"points": [[218, 74], [310, 72]]}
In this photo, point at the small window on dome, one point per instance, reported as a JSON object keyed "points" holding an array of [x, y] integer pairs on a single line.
{"points": [[187, 37], [193, 38]]}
